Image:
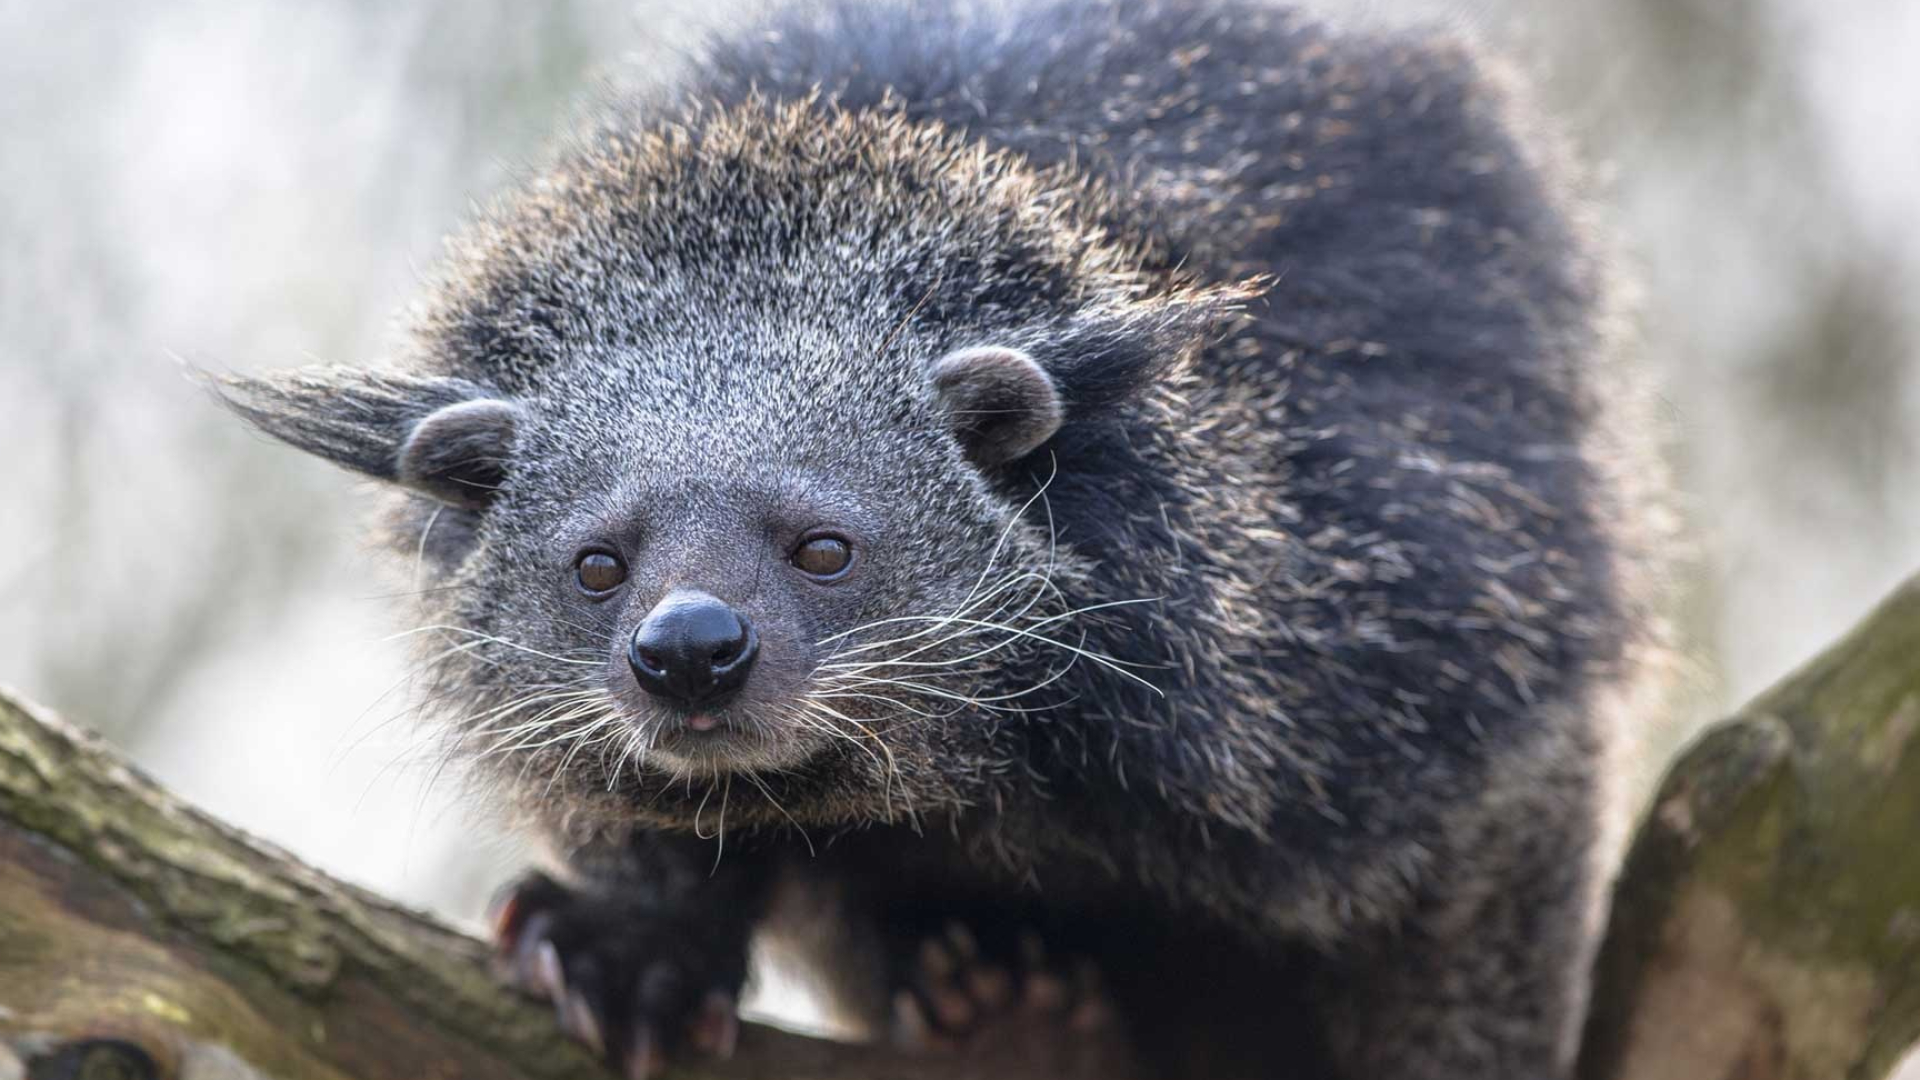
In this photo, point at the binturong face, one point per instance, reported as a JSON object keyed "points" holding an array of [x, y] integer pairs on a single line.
{"points": [[722, 466], [742, 568]]}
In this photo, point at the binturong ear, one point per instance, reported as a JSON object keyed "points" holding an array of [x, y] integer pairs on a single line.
{"points": [[1001, 403], [448, 439], [459, 454]]}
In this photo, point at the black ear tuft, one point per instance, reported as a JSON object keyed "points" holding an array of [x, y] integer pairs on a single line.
{"points": [[1002, 404], [1107, 356], [446, 438]]}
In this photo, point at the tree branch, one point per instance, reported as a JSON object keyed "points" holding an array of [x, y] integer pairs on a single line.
{"points": [[1767, 921]]}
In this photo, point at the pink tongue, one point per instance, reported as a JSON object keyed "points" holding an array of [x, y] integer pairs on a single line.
{"points": [[703, 722]]}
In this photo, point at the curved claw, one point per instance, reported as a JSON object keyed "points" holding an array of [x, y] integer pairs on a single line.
{"points": [[626, 983]]}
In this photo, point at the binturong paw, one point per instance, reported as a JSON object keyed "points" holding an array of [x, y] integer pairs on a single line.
{"points": [[1008, 1001], [638, 988]]}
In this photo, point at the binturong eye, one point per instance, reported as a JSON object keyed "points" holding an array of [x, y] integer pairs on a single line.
{"points": [[823, 557], [599, 573]]}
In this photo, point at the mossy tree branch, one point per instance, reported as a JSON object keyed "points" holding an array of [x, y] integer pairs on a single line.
{"points": [[1767, 921], [1767, 924]]}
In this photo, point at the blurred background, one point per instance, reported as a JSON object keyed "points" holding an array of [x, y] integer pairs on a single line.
{"points": [[262, 185]]}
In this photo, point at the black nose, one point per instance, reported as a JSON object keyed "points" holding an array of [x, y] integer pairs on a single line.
{"points": [[692, 649]]}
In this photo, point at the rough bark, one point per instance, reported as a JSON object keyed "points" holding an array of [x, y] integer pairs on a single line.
{"points": [[1767, 924]]}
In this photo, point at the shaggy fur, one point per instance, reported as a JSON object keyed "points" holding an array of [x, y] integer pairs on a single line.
{"points": [[1277, 680]]}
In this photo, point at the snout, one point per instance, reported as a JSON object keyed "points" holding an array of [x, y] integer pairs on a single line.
{"points": [[692, 650]]}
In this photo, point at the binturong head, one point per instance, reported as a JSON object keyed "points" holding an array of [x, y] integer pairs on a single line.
{"points": [[722, 455]]}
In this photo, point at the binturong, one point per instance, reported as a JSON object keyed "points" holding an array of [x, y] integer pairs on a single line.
{"points": [[1094, 522]]}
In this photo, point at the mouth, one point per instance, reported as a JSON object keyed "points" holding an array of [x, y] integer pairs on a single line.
{"points": [[710, 741], [704, 736]]}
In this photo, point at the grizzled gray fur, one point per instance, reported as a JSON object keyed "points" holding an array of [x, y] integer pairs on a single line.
{"points": [[1243, 523]]}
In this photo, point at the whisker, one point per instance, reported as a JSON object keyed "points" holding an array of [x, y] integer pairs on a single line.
{"points": [[892, 765], [488, 639], [754, 779], [993, 556], [1015, 634]]}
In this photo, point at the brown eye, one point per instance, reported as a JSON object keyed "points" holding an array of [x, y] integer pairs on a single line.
{"points": [[599, 572], [823, 557]]}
